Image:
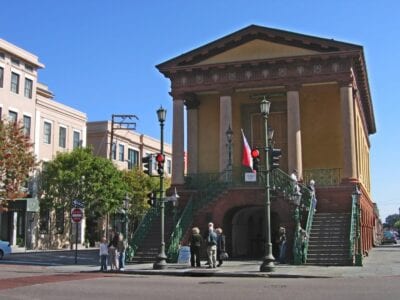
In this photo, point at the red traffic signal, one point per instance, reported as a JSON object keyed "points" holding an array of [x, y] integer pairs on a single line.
{"points": [[160, 158], [255, 153]]}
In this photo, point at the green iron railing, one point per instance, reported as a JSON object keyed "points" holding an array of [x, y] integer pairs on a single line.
{"points": [[310, 218], [324, 177], [300, 241], [353, 228], [181, 227], [141, 232]]}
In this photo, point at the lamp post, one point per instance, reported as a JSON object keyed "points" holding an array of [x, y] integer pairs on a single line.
{"points": [[229, 137], [268, 260], [161, 258], [126, 208]]}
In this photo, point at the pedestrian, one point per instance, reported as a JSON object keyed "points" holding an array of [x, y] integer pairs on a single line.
{"points": [[311, 186], [295, 183], [103, 254], [113, 251], [121, 247], [211, 246], [282, 245], [113, 258], [221, 252], [195, 246]]}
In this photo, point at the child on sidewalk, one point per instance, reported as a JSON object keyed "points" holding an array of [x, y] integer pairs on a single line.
{"points": [[103, 255]]}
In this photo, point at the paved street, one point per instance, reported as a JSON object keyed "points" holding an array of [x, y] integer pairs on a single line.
{"points": [[53, 275]]}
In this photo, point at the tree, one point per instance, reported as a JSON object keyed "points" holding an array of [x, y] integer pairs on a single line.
{"points": [[16, 162], [81, 175], [391, 219], [139, 186]]}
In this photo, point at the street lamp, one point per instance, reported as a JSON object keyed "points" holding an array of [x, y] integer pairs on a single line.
{"points": [[268, 260], [126, 217], [229, 137], [161, 262]]}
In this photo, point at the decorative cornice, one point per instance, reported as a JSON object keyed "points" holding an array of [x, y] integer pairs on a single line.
{"points": [[268, 73]]}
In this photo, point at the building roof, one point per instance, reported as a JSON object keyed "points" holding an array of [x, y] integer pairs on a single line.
{"points": [[311, 46]]}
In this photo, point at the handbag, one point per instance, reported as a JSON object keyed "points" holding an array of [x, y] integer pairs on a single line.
{"points": [[223, 255]]}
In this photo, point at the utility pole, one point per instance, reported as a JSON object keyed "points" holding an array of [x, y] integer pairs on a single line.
{"points": [[119, 122]]}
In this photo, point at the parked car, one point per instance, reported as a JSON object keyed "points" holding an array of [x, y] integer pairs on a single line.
{"points": [[389, 237], [5, 248]]}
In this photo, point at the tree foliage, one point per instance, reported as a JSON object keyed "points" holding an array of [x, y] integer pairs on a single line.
{"points": [[16, 161], [392, 219], [81, 175]]}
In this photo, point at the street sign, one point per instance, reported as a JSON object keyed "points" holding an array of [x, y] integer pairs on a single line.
{"points": [[76, 215], [78, 203]]}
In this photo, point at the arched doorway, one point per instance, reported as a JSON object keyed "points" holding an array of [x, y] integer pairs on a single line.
{"points": [[245, 231]]}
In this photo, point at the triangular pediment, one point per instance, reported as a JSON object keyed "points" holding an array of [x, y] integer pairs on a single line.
{"points": [[255, 50], [256, 42]]}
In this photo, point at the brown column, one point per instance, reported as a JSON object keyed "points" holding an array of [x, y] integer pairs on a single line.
{"points": [[294, 133], [349, 145], [178, 143]]}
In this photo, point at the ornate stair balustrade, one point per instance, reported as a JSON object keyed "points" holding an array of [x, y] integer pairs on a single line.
{"points": [[353, 228], [142, 231], [182, 225]]}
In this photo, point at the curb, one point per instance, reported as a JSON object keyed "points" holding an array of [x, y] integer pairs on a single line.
{"points": [[210, 274]]}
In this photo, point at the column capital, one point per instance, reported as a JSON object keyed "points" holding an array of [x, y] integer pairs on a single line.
{"points": [[293, 87], [177, 95], [191, 101], [226, 91]]}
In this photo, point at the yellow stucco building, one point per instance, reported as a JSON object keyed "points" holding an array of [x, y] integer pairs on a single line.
{"points": [[322, 116]]}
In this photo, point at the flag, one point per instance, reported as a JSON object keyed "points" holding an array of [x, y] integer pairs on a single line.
{"points": [[247, 160]]}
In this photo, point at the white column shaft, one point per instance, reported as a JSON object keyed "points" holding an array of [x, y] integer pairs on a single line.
{"points": [[178, 143], [294, 133]]}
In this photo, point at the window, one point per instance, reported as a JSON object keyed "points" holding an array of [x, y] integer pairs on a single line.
{"points": [[1, 77], [2, 55], [133, 159], [62, 137], [15, 61], [28, 88], [169, 166], [77, 140], [14, 82], [47, 133], [114, 151], [12, 116], [27, 126], [121, 152], [1, 113]]}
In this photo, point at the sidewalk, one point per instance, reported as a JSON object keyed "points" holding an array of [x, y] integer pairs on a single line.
{"points": [[382, 261]]}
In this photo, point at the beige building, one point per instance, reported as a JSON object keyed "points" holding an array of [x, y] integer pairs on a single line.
{"points": [[129, 146], [52, 127]]}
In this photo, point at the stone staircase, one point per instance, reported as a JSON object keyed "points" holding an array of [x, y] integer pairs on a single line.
{"points": [[150, 247], [329, 240]]}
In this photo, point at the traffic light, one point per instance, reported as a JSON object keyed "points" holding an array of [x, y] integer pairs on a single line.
{"points": [[256, 159], [276, 154], [147, 163], [160, 159], [151, 199]]}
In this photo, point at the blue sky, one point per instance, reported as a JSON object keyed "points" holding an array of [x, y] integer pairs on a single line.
{"points": [[100, 55]]}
